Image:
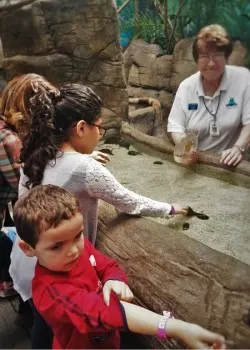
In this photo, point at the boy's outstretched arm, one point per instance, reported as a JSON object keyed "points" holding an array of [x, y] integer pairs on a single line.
{"points": [[66, 304], [143, 321]]}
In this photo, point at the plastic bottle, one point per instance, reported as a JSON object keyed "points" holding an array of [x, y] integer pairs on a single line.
{"points": [[185, 147]]}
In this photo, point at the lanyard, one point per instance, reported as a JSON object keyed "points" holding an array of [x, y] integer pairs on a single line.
{"points": [[218, 105]]}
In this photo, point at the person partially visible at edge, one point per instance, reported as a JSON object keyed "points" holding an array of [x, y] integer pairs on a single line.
{"points": [[81, 293], [64, 129], [215, 101], [10, 146], [15, 109]]}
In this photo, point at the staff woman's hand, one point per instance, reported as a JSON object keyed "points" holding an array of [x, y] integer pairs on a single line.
{"points": [[231, 156]]}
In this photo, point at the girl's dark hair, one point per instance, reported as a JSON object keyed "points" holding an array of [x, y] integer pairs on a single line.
{"points": [[52, 120]]}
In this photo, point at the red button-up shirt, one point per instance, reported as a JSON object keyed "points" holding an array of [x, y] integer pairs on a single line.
{"points": [[72, 302]]}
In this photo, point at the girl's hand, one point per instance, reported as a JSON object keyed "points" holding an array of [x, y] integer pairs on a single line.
{"points": [[120, 288], [100, 157], [197, 337], [178, 209]]}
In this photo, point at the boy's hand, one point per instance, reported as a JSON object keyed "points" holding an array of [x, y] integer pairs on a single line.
{"points": [[197, 337], [120, 288], [100, 157]]}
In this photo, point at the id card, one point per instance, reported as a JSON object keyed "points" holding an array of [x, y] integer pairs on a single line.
{"points": [[214, 128]]}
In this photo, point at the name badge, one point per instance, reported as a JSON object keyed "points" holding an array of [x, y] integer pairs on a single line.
{"points": [[214, 128], [192, 106]]}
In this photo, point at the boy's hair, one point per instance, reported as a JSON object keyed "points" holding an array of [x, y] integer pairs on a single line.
{"points": [[44, 206], [213, 37]]}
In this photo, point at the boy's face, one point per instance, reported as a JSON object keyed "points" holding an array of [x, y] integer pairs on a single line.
{"points": [[59, 248]]}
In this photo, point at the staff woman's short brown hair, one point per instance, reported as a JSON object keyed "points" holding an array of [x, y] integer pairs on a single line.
{"points": [[212, 38]]}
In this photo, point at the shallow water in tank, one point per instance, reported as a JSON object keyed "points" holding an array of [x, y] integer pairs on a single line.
{"points": [[227, 203]]}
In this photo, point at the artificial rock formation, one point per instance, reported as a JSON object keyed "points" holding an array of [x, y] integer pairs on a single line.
{"points": [[183, 62], [149, 73], [68, 41]]}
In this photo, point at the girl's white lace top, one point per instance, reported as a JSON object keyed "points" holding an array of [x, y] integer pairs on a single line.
{"points": [[89, 181]]}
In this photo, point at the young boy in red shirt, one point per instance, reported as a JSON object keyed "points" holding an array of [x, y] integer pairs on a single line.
{"points": [[80, 292]]}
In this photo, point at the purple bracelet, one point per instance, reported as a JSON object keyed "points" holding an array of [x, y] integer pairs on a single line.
{"points": [[161, 331]]}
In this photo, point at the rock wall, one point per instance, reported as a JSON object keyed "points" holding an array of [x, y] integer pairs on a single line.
{"points": [[78, 41], [2, 79], [68, 41]]}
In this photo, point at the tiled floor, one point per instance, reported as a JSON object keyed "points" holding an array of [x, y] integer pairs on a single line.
{"points": [[14, 326]]}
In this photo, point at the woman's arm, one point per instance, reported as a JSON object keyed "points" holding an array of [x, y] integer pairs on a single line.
{"points": [[243, 140], [234, 155], [10, 150]]}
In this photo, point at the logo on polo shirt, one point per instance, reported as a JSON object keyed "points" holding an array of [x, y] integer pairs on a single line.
{"points": [[231, 102]]}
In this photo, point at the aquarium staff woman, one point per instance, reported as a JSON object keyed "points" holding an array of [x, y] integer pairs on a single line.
{"points": [[215, 101]]}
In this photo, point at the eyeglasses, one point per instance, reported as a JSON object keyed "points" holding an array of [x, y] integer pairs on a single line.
{"points": [[216, 57], [102, 130]]}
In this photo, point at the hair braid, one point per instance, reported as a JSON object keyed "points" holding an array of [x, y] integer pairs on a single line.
{"points": [[53, 115]]}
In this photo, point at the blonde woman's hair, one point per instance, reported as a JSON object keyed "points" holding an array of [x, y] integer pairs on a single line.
{"points": [[16, 99], [212, 37]]}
